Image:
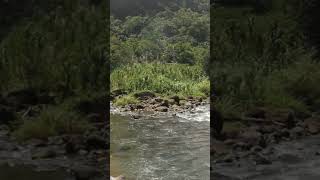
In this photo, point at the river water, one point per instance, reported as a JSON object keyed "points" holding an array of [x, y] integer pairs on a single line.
{"points": [[175, 148]]}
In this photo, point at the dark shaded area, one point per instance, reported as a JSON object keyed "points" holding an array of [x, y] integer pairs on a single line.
{"points": [[54, 73], [310, 21]]}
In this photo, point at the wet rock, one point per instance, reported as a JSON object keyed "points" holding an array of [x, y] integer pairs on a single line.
{"points": [[284, 133], [284, 116], [36, 143], [256, 149], [165, 103], [267, 129], [83, 152], [297, 131], [261, 160], [44, 153], [162, 109], [144, 95], [172, 102], [313, 125], [8, 147], [228, 158], [55, 140], [241, 146], [289, 158], [229, 142], [251, 136], [158, 100], [176, 99]]}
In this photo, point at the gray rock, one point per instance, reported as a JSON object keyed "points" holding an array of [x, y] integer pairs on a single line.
{"points": [[44, 153]]}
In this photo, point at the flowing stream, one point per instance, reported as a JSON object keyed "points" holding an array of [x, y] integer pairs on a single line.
{"points": [[172, 148]]}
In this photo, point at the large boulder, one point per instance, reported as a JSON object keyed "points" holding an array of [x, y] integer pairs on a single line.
{"points": [[313, 125], [144, 95], [251, 136]]}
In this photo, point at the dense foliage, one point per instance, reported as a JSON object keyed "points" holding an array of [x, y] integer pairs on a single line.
{"points": [[260, 57], [177, 34], [57, 49], [63, 49]]}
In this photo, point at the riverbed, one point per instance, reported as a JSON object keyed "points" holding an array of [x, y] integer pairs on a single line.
{"points": [[172, 147]]}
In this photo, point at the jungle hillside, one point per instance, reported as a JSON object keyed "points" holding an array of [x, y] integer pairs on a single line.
{"points": [[161, 47]]}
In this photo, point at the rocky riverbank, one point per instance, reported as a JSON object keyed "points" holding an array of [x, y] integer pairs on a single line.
{"points": [[151, 103], [252, 141], [83, 155]]}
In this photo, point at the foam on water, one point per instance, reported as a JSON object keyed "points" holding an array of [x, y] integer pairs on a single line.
{"points": [[200, 113]]}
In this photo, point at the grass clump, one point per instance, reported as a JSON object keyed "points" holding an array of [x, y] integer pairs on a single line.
{"points": [[165, 79], [51, 122], [124, 100]]}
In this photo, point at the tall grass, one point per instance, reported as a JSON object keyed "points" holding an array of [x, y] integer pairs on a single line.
{"points": [[261, 60], [161, 78], [52, 121]]}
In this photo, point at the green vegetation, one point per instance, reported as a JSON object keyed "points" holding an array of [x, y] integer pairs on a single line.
{"points": [[124, 100], [63, 50], [53, 55], [165, 51], [52, 121], [260, 57], [166, 79]]}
